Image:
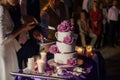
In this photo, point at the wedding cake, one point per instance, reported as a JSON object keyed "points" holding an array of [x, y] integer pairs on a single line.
{"points": [[64, 49]]}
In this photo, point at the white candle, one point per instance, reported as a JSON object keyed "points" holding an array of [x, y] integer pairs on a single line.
{"points": [[59, 70], [43, 56], [31, 63], [40, 64], [89, 49], [79, 50]]}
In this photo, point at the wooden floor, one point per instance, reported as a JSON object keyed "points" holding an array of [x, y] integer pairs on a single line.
{"points": [[112, 59], [113, 67]]}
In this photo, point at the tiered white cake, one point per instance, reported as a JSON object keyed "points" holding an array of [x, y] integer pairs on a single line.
{"points": [[64, 48]]}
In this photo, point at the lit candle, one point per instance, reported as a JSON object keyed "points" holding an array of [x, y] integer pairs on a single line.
{"points": [[31, 63], [59, 70], [40, 64], [43, 56], [79, 50], [89, 49]]}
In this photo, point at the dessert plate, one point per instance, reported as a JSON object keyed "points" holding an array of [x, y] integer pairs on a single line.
{"points": [[51, 62]]}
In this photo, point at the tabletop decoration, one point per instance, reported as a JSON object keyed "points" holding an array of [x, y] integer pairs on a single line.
{"points": [[79, 50], [69, 62], [65, 26], [43, 55], [89, 50], [30, 64], [77, 73], [41, 66], [72, 61]]}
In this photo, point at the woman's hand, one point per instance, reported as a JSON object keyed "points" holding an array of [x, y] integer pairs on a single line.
{"points": [[31, 22]]}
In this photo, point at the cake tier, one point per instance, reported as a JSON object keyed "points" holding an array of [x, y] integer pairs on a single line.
{"points": [[62, 58], [62, 47], [61, 35]]}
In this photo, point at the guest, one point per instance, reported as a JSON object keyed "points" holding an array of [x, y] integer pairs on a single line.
{"points": [[8, 58], [69, 6], [96, 22], [76, 30], [118, 29], [104, 10], [113, 23], [51, 15], [77, 5], [31, 8], [85, 29], [86, 5], [95, 18]]}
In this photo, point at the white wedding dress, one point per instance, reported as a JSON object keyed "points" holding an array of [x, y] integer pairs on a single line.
{"points": [[8, 58]]}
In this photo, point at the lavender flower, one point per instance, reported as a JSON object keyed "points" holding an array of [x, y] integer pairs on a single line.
{"points": [[72, 61], [53, 49], [68, 40], [65, 26]]}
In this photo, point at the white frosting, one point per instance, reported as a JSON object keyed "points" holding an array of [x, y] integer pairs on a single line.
{"points": [[62, 47], [60, 35], [62, 58]]}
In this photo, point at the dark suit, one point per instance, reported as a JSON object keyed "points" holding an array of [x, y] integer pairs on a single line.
{"points": [[33, 8], [15, 15], [29, 49]]}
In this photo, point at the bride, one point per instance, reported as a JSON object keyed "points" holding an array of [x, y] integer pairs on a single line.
{"points": [[8, 58]]}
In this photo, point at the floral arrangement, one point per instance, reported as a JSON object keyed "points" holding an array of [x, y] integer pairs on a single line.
{"points": [[77, 73], [72, 61], [65, 26], [68, 40], [53, 49]]}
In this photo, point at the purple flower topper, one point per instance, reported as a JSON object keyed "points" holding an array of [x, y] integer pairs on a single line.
{"points": [[65, 26]]}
